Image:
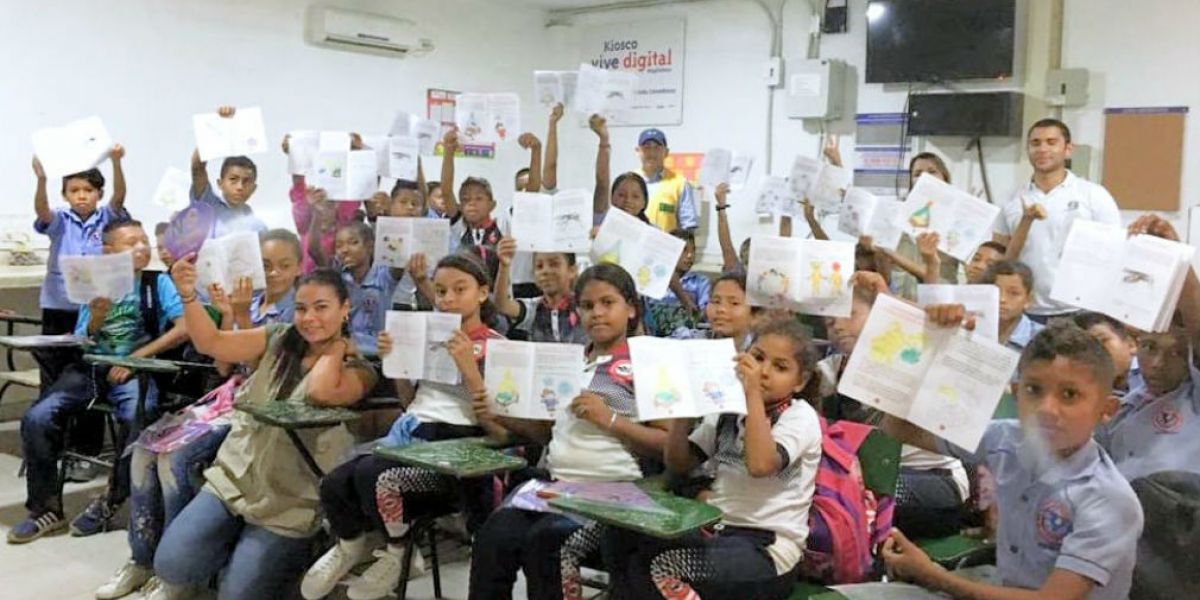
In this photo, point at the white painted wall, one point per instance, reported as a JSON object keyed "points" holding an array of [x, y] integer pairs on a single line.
{"points": [[145, 66], [1139, 54]]}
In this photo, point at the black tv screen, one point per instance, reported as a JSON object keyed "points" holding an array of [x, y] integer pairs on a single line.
{"points": [[938, 40]]}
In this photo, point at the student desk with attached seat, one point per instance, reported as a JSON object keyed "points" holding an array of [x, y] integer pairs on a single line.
{"points": [[680, 517], [293, 416], [143, 368]]}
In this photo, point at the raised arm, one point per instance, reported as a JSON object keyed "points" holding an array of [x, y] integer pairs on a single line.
{"points": [[814, 224], [449, 147], [1030, 212], [534, 145], [199, 175], [332, 383], [600, 198], [41, 200], [243, 345], [117, 203], [832, 151], [927, 244], [550, 163], [762, 456], [729, 254], [505, 305]]}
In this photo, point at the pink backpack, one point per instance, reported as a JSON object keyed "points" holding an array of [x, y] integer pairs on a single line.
{"points": [[846, 521]]}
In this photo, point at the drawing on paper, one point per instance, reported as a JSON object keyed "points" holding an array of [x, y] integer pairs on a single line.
{"points": [[814, 278], [665, 396], [612, 254], [835, 278], [1135, 277], [920, 217], [507, 394], [78, 274], [549, 395], [896, 346], [713, 392], [773, 285]]}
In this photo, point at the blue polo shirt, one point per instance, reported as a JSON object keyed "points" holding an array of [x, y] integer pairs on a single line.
{"points": [[71, 235], [369, 303], [1076, 513], [1151, 434], [230, 218], [1023, 334], [281, 312]]}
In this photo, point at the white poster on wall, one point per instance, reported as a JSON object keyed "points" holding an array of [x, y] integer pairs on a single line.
{"points": [[652, 49]]}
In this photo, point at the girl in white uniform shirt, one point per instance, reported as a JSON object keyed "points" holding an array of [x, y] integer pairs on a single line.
{"points": [[593, 439]]}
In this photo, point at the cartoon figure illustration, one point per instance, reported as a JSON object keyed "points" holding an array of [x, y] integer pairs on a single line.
{"points": [[501, 131], [507, 394], [920, 218], [612, 254], [549, 400], [835, 278], [814, 278], [666, 395]]}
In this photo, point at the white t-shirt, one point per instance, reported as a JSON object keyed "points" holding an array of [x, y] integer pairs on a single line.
{"points": [[1074, 198], [778, 503], [445, 403], [581, 451]]}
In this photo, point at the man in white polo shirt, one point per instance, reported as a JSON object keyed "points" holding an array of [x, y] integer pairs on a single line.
{"points": [[1065, 198]]}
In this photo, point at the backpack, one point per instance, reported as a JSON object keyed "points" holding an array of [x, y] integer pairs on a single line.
{"points": [[181, 388], [846, 520]]}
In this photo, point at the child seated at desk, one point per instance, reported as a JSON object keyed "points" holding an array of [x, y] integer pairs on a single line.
{"points": [[551, 318], [164, 481], [766, 465], [254, 519], [1069, 522], [143, 323], [373, 494], [592, 439]]}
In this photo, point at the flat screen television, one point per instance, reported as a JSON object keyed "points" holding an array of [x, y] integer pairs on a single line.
{"points": [[939, 40]]}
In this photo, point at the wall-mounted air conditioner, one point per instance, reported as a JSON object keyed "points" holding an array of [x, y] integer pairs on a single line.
{"points": [[363, 32]]}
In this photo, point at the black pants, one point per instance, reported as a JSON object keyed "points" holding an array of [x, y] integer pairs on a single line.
{"points": [[928, 504], [87, 436], [732, 564], [540, 544], [372, 493]]}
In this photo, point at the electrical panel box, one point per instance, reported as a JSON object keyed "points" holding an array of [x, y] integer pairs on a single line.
{"points": [[815, 89], [1067, 87]]}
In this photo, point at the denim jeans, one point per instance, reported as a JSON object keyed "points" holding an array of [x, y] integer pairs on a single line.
{"points": [[161, 485], [205, 539], [42, 430]]}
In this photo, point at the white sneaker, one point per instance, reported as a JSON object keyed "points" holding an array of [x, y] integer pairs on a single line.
{"points": [[167, 591], [153, 584], [325, 574], [381, 578], [128, 579]]}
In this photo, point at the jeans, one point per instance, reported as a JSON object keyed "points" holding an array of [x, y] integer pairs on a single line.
{"points": [[731, 564], [162, 485], [205, 539], [514, 540], [42, 430]]}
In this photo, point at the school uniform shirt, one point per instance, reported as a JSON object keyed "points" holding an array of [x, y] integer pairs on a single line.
{"points": [[669, 313], [1023, 333], [1074, 198], [71, 235], [778, 503], [258, 472], [1150, 434], [370, 300], [1076, 513], [581, 451], [437, 402], [230, 218], [283, 311], [548, 322], [488, 234], [123, 330]]}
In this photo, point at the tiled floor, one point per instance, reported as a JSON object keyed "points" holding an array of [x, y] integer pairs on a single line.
{"points": [[68, 568]]}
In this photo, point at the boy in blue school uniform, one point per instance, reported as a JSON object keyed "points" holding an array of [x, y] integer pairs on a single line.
{"points": [[1120, 345], [683, 306], [117, 328], [73, 231], [1015, 281], [1069, 522], [237, 182]]}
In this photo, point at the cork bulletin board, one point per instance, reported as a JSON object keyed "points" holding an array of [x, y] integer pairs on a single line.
{"points": [[1143, 156]]}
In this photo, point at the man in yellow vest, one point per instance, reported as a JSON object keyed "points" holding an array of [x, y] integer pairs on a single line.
{"points": [[672, 203]]}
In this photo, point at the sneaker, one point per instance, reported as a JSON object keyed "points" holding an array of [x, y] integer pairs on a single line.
{"points": [[33, 527], [151, 585], [325, 574], [98, 517], [129, 578], [382, 577], [166, 591]]}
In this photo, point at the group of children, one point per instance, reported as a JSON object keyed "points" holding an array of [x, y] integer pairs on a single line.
{"points": [[238, 504]]}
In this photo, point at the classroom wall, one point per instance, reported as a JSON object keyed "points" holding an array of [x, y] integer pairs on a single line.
{"points": [[145, 66], [1158, 69]]}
